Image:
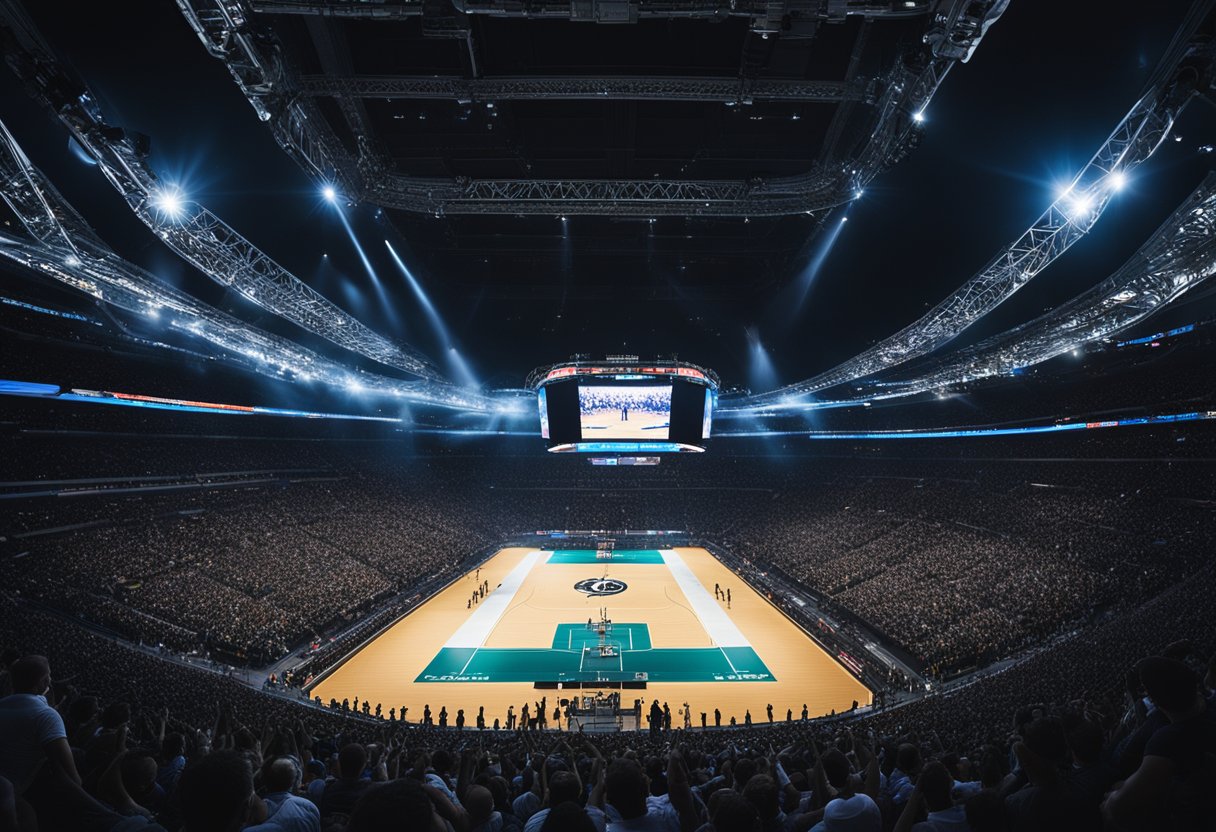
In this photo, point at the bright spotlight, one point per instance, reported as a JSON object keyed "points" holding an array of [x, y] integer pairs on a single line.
{"points": [[919, 116], [1118, 180], [330, 193], [858, 193], [844, 219], [1080, 206], [169, 201]]}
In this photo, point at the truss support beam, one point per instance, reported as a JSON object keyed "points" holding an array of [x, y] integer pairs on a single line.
{"points": [[766, 13], [1065, 221], [623, 88], [190, 230], [59, 245], [258, 66], [1178, 257]]}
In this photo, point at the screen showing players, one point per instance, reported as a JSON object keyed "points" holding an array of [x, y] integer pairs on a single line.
{"points": [[625, 411]]}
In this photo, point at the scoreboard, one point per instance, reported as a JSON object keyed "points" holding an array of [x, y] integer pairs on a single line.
{"points": [[625, 407]]}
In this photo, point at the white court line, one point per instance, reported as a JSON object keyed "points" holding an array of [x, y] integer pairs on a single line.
{"points": [[478, 626], [722, 631], [733, 669], [473, 655]]}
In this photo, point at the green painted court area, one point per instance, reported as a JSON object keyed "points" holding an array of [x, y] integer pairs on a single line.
{"points": [[575, 657], [578, 636], [587, 556]]}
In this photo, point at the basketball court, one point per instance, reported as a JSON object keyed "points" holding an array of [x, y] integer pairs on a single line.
{"points": [[577, 616], [608, 424]]}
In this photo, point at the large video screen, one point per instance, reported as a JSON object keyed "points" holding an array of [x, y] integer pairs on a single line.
{"points": [[624, 411]]}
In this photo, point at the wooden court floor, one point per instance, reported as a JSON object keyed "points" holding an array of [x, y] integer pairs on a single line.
{"points": [[607, 424], [385, 670]]}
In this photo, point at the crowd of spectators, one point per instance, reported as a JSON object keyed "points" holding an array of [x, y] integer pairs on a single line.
{"points": [[253, 573], [964, 571], [1113, 728], [959, 563], [1077, 592]]}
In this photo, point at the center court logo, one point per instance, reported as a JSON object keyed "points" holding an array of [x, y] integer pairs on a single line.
{"points": [[597, 587]]}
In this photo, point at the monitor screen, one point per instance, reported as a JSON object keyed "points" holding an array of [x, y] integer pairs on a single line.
{"points": [[542, 401], [624, 411]]}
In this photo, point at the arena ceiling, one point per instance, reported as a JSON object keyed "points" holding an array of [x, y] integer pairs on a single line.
{"points": [[457, 97]]}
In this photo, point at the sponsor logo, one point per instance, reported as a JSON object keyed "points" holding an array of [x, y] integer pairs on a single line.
{"points": [[597, 587]]}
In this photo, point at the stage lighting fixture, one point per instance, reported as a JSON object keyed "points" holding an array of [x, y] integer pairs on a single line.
{"points": [[169, 201], [919, 116], [330, 193], [1118, 180], [844, 219], [858, 193], [1080, 206]]}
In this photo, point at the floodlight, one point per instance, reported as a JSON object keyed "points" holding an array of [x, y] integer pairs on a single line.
{"points": [[1080, 206], [330, 193], [169, 201]]}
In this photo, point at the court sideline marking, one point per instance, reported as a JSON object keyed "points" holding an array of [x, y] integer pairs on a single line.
{"points": [[478, 626], [712, 617]]}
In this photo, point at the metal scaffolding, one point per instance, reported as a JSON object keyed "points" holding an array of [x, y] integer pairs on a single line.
{"points": [[1179, 256], [606, 11], [259, 68], [1066, 220], [192, 231], [605, 88], [61, 246]]}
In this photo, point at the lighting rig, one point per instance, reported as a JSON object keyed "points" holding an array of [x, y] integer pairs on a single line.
{"points": [[285, 103], [1184, 71], [188, 228]]}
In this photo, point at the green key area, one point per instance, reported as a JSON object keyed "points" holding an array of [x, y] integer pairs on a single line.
{"points": [[588, 556], [575, 657]]}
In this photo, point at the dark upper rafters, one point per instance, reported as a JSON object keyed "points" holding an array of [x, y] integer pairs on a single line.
{"points": [[877, 136]]}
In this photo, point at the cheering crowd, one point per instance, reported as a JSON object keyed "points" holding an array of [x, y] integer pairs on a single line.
{"points": [[1110, 730], [1081, 570], [959, 564]]}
